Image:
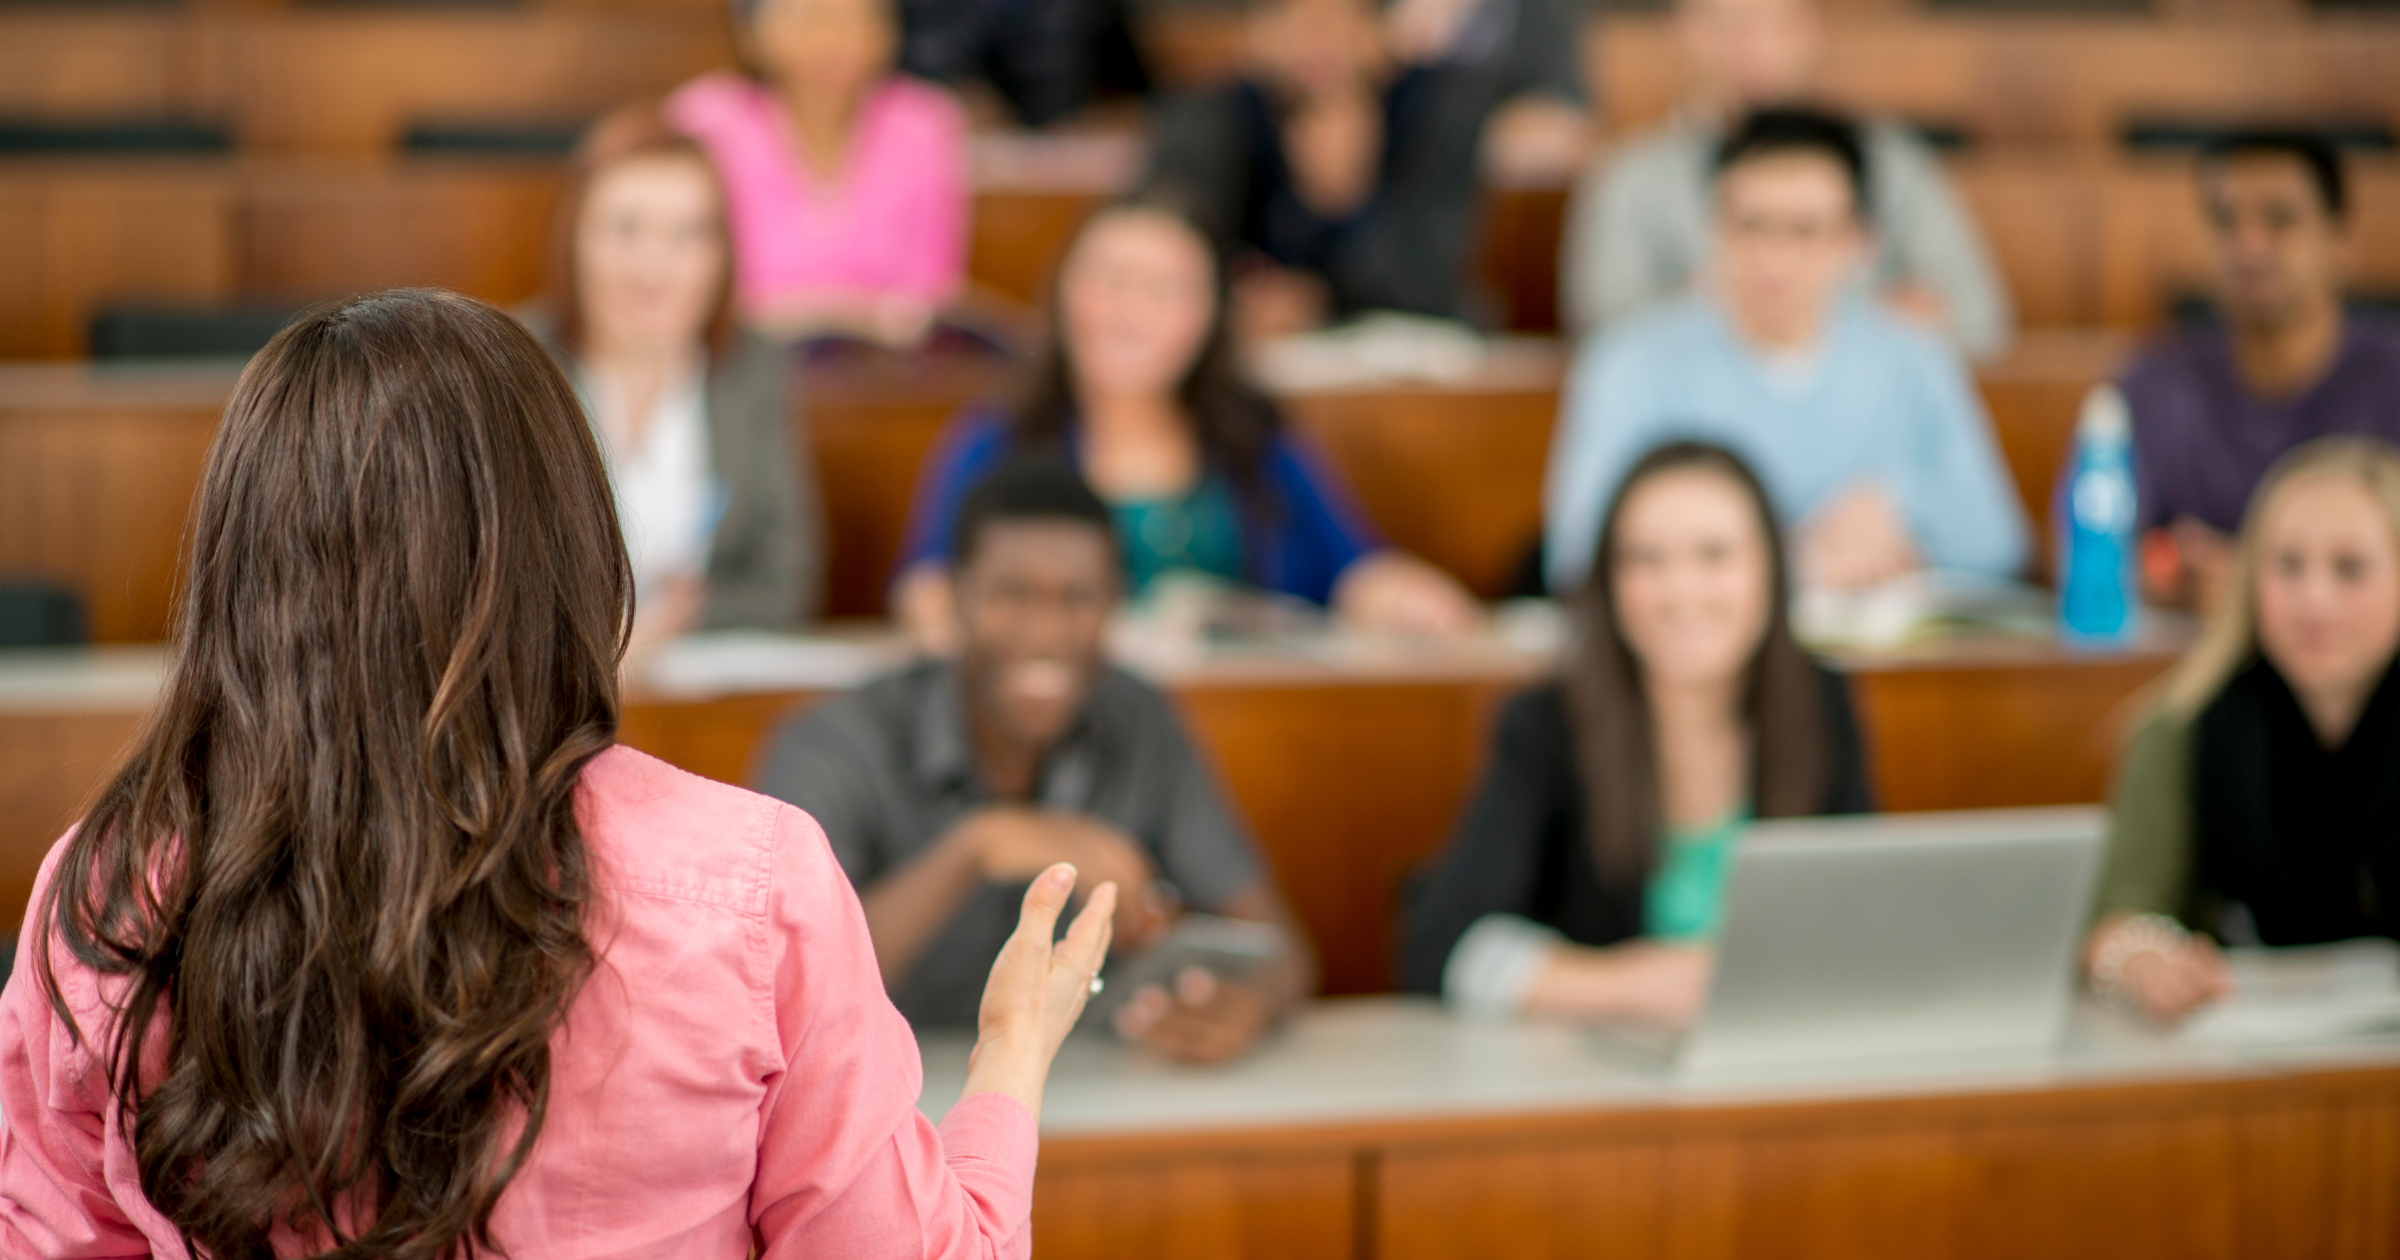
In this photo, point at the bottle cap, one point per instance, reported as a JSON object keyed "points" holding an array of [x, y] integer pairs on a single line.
{"points": [[2105, 416]]}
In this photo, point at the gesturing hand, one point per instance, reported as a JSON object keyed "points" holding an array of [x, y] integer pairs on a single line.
{"points": [[1038, 987]]}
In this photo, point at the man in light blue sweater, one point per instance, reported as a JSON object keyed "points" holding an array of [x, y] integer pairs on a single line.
{"points": [[1863, 426]]}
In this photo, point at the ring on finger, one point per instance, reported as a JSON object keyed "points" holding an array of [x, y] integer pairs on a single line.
{"points": [[1097, 984]]}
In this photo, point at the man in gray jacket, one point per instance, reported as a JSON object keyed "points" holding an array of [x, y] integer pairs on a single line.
{"points": [[1638, 227]]}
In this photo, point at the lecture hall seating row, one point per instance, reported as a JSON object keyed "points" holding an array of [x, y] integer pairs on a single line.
{"points": [[331, 80], [2084, 240]]}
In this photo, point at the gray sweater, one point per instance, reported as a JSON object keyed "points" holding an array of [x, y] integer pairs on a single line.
{"points": [[1639, 224], [766, 562]]}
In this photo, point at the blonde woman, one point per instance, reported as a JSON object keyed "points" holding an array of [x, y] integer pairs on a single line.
{"points": [[2261, 801]]}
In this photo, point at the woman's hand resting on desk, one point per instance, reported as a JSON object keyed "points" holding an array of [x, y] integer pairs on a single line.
{"points": [[1037, 989], [2164, 976], [1649, 983], [1396, 592]]}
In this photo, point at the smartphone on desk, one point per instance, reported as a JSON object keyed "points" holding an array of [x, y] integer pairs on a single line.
{"points": [[1229, 949]]}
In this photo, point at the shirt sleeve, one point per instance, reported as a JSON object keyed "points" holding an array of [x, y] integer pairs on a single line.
{"points": [[1321, 531], [1604, 425], [1492, 865], [1961, 504], [847, 1166], [57, 1118], [972, 445], [1935, 243], [2149, 865]]}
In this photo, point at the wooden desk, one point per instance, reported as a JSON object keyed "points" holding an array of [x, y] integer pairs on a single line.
{"points": [[1351, 758], [1381, 1128]]}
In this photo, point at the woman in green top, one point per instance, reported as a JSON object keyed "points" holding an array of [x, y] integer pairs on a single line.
{"points": [[1585, 879], [2260, 803]]}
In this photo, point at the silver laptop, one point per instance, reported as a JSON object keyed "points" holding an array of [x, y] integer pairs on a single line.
{"points": [[1944, 939]]}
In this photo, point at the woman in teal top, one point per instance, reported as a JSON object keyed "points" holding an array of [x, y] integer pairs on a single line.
{"points": [[1139, 390], [1587, 876]]}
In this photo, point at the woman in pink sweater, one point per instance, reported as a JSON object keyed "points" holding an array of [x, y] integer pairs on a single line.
{"points": [[846, 181], [379, 945]]}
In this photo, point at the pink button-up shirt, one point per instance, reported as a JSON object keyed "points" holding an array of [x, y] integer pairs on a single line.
{"points": [[896, 221], [731, 1071]]}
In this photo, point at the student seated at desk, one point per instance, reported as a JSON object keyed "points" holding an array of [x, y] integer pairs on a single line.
{"points": [[719, 505], [1585, 878], [1865, 428], [948, 785], [1139, 389], [847, 182], [378, 938], [2215, 404], [1343, 183], [1638, 228], [2261, 802]]}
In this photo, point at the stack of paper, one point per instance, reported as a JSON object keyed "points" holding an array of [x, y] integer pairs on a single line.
{"points": [[2317, 993]]}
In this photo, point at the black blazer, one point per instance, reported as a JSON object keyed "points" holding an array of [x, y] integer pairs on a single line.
{"points": [[1520, 847]]}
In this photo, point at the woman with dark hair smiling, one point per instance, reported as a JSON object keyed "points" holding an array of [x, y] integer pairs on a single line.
{"points": [[1140, 390], [379, 945], [1585, 880]]}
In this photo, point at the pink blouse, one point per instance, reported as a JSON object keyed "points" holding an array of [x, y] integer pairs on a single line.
{"points": [[896, 222], [732, 1070]]}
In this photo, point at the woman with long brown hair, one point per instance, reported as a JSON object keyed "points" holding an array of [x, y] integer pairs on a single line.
{"points": [[378, 944], [1585, 879]]}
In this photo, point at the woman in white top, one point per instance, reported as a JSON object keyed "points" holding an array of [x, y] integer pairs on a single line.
{"points": [[715, 488]]}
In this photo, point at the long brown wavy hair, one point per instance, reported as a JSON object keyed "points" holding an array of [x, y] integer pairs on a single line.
{"points": [[340, 865], [1783, 699]]}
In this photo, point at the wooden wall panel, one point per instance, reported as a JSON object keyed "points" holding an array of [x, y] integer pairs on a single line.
{"points": [[1351, 788], [83, 233], [49, 770], [331, 81], [2045, 733], [2201, 1178], [91, 62], [2024, 78], [1264, 1208], [327, 229], [1455, 477], [96, 500]]}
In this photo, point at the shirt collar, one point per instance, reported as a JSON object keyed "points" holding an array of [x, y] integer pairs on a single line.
{"points": [[945, 755]]}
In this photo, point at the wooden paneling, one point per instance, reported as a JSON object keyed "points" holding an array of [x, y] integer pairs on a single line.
{"points": [[1350, 789], [82, 234], [99, 62], [333, 81], [1257, 1207], [2192, 1174], [96, 499], [2041, 732], [49, 768], [327, 229], [2035, 79]]}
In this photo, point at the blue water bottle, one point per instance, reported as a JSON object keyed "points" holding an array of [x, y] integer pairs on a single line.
{"points": [[2098, 562]]}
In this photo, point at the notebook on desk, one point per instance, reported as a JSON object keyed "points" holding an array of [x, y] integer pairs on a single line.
{"points": [[1905, 939]]}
